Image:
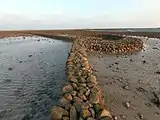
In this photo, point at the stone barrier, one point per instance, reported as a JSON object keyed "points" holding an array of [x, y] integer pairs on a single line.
{"points": [[82, 97]]}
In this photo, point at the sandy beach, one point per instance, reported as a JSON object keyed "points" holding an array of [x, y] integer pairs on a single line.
{"points": [[129, 81]]}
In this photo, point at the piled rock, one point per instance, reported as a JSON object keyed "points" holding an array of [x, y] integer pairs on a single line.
{"points": [[125, 45], [82, 97]]}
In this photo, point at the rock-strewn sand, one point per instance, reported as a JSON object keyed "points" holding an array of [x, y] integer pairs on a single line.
{"points": [[129, 82]]}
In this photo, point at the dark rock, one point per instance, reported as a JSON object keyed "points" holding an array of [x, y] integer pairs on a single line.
{"points": [[97, 108], [73, 80], [85, 113], [74, 85], [20, 61], [140, 116], [29, 55], [91, 118], [58, 112], [156, 99], [88, 92], [104, 114], [68, 96], [144, 61], [67, 89], [127, 104], [94, 98], [131, 60], [78, 105], [158, 72], [65, 118], [64, 101], [68, 106], [10, 69], [105, 118], [125, 87], [73, 93], [73, 113], [123, 117], [92, 112]]}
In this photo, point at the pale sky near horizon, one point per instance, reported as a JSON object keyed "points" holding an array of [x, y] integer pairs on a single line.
{"points": [[53, 14]]}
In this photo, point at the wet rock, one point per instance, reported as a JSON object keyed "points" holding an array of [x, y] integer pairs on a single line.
{"points": [[67, 89], [97, 108], [82, 84], [131, 60], [74, 86], [85, 113], [90, 85], [140, 116], [20, 61], [144, 61], [123, 117], [92, 79], [68, 106], [77, 99], [104, 113], [58, 112], [105, 118], [83, 91], [125, 87], [93, 114], [127, 104], [158, 72], [82, 80], [68, 96], [140, 89], [10, 69], [65, 118], [73, 93], [64, 101], [95, 90], [29, 55], [156, 99], [115, 117], [88, 92], [73, 80], [80, 118], [91, 118], [84, 105], [82, 96], [94, 98], [73, 113], [78, 105]]}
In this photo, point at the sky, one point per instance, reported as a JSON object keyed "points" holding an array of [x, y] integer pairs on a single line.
{"points": [[65, 14]]}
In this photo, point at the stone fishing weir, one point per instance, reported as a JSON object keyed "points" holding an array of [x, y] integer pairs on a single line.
{"points": [[82, 97]]}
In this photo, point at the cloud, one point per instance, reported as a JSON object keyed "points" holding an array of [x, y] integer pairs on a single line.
{"points": [[59, 21]]}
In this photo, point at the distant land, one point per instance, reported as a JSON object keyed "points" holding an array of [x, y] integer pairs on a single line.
{"points": [[129, 29]]}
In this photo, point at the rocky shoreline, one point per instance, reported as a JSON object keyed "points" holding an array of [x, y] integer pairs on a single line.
{"points": [[82, 97]]}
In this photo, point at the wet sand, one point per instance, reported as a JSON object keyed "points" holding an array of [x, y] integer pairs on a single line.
{"points": [[128, 81]]}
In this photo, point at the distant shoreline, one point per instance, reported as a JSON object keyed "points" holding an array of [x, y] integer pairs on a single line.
{"points": [[54, 32]]}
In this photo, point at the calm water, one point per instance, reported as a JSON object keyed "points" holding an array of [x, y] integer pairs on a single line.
{"points": [[32, 73]]}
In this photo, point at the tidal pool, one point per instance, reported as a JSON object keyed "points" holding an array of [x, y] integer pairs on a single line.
{"points": [[32, 74]]}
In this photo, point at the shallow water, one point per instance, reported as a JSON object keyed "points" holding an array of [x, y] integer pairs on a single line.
{"points": [[32, 73]]}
